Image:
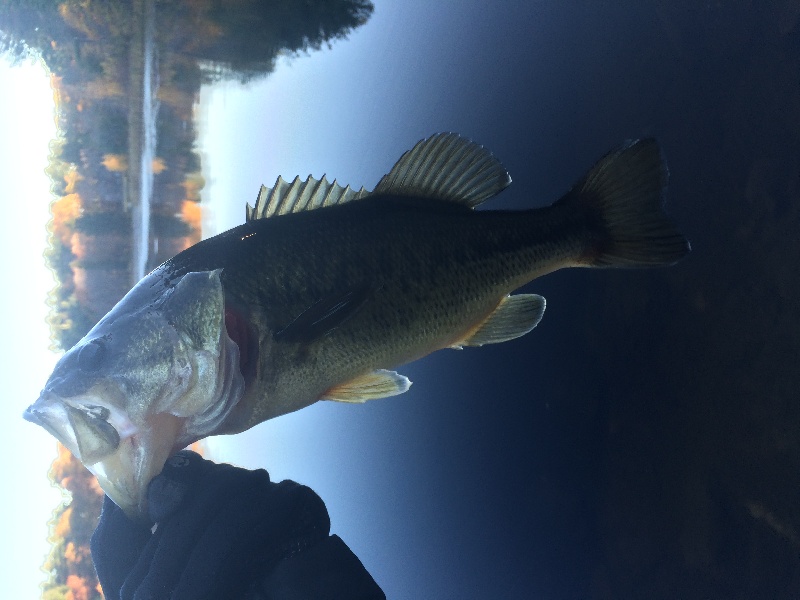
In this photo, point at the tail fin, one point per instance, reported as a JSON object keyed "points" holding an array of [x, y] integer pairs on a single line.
{"points": [[623, 198]]}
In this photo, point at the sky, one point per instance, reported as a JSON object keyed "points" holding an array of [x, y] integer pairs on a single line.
{"points": [[27, 124], [435, 490]]}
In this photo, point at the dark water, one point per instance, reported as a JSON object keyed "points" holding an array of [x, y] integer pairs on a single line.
{"points": [[643, 441]]}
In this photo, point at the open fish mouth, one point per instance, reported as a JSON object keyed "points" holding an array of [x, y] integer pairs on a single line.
{"points": [[124, 458], [87, 426], [86, 433]]}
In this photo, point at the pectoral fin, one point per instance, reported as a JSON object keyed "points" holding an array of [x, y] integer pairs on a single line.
{"points": [[514, 316], [325, 315], [377, 384]]}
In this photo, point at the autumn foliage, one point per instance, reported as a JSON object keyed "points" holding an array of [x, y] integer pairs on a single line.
{"points": [[70, 568]]}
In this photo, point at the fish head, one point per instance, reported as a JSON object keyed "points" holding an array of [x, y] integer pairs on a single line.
{"points": [[156, 374]]}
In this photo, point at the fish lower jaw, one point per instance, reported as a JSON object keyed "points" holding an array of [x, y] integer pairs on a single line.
{"points": [[125, 474]]}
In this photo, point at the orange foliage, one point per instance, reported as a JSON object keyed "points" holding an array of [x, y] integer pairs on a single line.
{"points": [[78, 590], [62, 525], [64, 466], [192, 214], [159, 166], [70, 553], [65, 210], [95, 486], [116, 163], [76, 555], [71, 178], [77, 245], [55, 84], [198, 447], [72, 564]]}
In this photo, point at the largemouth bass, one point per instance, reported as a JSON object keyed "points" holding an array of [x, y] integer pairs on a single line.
{"points": [[324, 290]]}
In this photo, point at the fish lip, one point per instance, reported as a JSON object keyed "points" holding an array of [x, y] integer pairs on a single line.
{"points": [[50, 413], [32, 416]]}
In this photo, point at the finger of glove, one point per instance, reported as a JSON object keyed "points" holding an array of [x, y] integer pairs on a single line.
{"points": [[181, 474], [251, 534], [115, 546], [164, 563]]}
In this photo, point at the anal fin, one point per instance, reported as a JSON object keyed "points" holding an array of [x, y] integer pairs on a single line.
{"points": [[376, 384], [514, 316]]}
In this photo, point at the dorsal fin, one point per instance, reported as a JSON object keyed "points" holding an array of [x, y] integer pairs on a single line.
{"points": [[446, 167], [284, 198]]}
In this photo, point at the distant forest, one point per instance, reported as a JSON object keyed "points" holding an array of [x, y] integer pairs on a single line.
{"points": [[93, 51]]}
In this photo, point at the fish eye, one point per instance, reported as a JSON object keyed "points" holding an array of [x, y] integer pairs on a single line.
{"points": [[91, 356]]}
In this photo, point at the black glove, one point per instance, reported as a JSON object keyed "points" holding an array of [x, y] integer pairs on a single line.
{"points": [[225, 532]]}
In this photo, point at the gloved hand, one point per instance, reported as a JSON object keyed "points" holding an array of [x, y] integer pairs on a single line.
{"points": [[225, 532]]}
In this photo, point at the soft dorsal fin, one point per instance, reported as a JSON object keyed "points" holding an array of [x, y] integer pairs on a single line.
{"points": [[376, 384], [284, 198], [446, 167]]}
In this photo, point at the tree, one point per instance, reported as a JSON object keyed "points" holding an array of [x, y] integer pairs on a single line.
{"points": [[70, 565], [253, 34]]}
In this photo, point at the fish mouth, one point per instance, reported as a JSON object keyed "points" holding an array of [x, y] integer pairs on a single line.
{"points": [[123, 457], [50, 413], [88, 426]]}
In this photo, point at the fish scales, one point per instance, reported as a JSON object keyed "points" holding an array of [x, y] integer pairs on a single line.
{"points": [[435, 273], [325, 289]]}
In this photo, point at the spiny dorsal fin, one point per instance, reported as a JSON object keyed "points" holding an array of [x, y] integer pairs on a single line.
{"points": [[376, 384], [514, 316], [284, 198], [446, 167]]}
